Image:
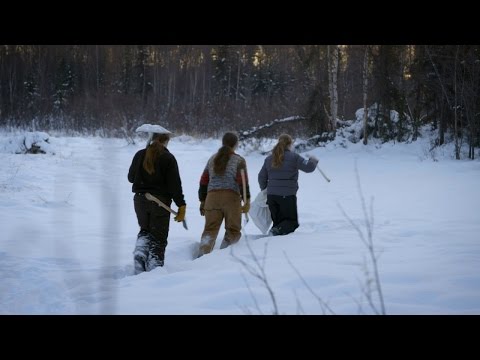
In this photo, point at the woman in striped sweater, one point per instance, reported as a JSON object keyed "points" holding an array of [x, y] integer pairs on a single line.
{"points": [[220, 195]]}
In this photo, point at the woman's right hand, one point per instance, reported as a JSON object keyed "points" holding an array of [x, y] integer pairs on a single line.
{"points": [[246, 207], [202, 208], [313, 158]]}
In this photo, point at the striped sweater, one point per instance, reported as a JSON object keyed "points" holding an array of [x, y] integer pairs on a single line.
{"points": [[230, 180]]}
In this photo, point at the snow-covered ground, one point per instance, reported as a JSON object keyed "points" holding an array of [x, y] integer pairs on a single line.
{"points": [[68, 230]]}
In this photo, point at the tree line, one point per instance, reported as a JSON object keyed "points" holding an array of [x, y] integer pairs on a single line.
{"points": [[205, 89]]}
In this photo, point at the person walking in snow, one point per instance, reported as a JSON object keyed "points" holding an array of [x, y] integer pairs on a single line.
{"points": [[220, 195], [154, 170], [279, 175]]}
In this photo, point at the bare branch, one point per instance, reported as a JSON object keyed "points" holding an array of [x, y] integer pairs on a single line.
{"points": [[324, 306], [251, 294], [258, 271], [368, 242], [355, 226], [298, 303]]}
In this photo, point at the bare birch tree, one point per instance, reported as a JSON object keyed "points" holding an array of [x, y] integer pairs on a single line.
{"points": [[332, 83]]}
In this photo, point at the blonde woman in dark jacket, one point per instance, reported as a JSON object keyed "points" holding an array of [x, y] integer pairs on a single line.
{"points": [[154, 170], [279, 175], [220, 195]]}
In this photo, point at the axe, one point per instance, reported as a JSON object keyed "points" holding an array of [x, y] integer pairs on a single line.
{"points": [[153, 198]]}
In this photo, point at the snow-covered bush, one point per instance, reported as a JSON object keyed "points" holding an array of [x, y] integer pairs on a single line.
{"points": [[383, 123], [28, 142]]}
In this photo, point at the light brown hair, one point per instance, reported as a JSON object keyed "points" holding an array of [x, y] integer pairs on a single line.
{"points": [[278, 154], [154, 150], [223, 155]]}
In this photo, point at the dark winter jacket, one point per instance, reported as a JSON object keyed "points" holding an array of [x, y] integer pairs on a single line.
{"points": [[164, 182], [283, 181]]}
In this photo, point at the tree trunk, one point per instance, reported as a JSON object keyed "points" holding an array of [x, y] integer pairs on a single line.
{"points": [[174, 86], [155, 79], [169, 93], [11, 87], [441, 127], [365, 90], [97, 77], [416, 113], [457, 148], [204, 87], [238, 77], [229, 81], [144, 78], [195, 81], [333, 89]]}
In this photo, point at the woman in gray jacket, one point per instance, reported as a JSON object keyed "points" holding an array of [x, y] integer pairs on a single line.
{"points": [[279, 175]]}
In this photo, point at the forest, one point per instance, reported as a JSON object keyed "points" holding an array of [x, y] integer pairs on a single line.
{"points": [[203, 90]]}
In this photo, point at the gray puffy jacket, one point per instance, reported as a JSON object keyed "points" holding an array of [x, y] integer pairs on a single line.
{"points": [[284, 180]]}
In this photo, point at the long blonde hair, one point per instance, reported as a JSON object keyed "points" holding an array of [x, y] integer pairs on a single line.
{"points": [[278, 154], [154, 150]]}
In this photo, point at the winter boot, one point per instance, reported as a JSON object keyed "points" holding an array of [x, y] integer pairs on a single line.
{"points": [[140, 253], [275, 231], [224, 244], [153, 262], [156, 254]]}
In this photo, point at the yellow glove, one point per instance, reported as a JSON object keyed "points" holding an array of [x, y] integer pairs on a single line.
{"points": [[202, 208], [181, 213], [246, 207]]}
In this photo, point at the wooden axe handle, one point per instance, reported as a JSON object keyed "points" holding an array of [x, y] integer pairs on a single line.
{"points": [[244, 185], [153, 198]]}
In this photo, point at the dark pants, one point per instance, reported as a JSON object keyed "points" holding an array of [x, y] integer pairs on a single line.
{"points": [[156, 221], [284, 213]]}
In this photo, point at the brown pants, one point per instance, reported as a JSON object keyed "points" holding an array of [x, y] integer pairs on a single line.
{"points": [[219, 205]]}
